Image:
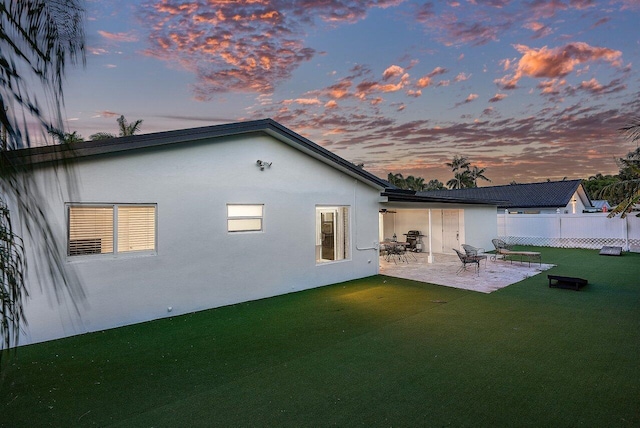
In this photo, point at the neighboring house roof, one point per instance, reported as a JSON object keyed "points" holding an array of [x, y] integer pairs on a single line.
{"points": [[73, 151], [600, 203], [550, 194]]}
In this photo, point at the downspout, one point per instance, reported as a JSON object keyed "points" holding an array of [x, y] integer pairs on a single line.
{"points": [[355, 224]]}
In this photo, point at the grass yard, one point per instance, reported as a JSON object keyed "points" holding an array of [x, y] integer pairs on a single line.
{"points": [[373, 352]]}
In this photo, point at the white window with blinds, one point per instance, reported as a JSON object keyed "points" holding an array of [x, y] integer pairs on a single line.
{"points": [[111, 229], [244, 217]]}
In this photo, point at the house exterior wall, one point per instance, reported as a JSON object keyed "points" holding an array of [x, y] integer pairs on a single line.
{"points": [[198, 264], [481, 226]]}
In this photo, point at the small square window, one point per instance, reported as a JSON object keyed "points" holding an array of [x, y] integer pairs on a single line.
{"points": [[244, 218]]}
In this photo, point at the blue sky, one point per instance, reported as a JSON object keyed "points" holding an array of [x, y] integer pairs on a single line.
{"points": [[529, 90]]}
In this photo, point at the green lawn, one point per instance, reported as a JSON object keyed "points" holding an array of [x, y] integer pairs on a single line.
{"points": [[373, 352]]}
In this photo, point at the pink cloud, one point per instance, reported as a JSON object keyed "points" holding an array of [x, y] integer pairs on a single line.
{"points": [[591, 85], [497, 97], [557, 62], [438, 70], [581, 4], [552, 86], [304, 101], [423, 82], [107, 113], [392, 71], [451, 28], [594, 87], [539, 29], [461, 77], [119, 37], [546, 8], [470, 98], [331, 104], [244, 45]]}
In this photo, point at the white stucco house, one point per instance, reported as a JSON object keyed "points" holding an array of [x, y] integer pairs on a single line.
{"points": [[169, 223]]}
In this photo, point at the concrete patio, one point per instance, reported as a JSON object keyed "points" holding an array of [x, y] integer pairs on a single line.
{"points": [[494, 275]]}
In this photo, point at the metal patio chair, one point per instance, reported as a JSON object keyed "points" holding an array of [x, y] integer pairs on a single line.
{"points": [[472, 251], [468, 260]]}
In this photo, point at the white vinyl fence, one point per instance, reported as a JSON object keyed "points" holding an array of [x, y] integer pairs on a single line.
{"points": [[570, 230]]}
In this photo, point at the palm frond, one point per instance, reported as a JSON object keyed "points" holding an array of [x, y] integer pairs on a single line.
{"points": [[101, 136], [37, 39], [632, 130]]}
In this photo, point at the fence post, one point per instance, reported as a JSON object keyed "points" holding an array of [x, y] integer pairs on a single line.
{"points": [[626, 233], [506, 218], [559, 227]]}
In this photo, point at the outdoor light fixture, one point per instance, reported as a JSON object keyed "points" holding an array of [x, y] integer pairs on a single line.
{"points": [[263, 164]]}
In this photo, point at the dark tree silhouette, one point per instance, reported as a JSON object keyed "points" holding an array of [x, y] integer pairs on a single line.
{"points": [[629, 184], [38, 39], [125, 129]]}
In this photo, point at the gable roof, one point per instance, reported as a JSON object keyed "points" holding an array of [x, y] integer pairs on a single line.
{"points": [[74, 151], [600, 203], [551, 194]]}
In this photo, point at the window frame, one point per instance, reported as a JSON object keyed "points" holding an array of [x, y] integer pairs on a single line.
{"points": [[115, 230], [241, 218]]}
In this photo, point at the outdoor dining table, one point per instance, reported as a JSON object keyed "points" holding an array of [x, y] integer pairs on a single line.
{"points": [[395, 249]]}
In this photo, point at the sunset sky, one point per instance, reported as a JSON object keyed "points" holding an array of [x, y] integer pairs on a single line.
{"points": [[529, 90]]}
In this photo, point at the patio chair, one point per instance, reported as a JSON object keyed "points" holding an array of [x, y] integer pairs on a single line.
{"points": [[472, 251], [468, 260], [501, 245]]}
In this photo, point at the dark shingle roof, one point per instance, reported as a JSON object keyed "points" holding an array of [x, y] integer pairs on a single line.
{"points": [[551, 194], [76, 151]]}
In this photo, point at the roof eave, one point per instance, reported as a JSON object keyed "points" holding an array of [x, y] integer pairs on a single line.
{"points": [[56, 153], [394, 196]]}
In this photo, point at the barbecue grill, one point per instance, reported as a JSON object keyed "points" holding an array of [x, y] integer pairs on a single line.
{"points": [[413, 239]]}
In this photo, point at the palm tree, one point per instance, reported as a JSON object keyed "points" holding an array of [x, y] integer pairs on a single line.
{"points": [[458, 163], [461, 180], [414, 183], [632, 130], [595, 183], [68, 138], [38, 39], [461, 174], [478, 173], [396, 179], [629, 186], [434, 184], [125, 128]]}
